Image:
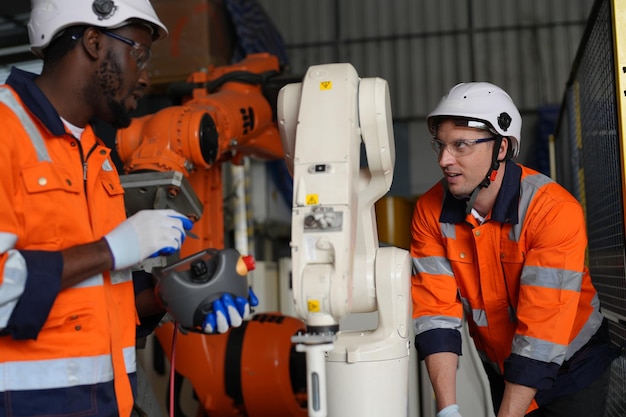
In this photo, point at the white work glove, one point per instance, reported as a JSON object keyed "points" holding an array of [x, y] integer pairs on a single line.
{"points": [[450, 411], [145, 234], [229, 313]]}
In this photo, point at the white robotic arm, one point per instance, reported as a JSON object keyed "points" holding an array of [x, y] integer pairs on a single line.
{"points": [[338, 267], [325, 161]]}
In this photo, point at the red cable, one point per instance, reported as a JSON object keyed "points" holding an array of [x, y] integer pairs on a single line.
{"points": [[172, 369]]}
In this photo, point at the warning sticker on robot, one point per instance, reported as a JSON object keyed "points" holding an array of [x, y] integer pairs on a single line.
{"points": [[312, 200], [314, 306], [326, 85]]}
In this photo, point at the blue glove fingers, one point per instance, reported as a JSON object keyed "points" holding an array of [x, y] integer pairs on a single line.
{"points": [[221, 316], [252, 298], [210, 323], [164, 252], [225, 314], [234, 318], [229, 303], [169, 250], [243, 307], [187, 224]]}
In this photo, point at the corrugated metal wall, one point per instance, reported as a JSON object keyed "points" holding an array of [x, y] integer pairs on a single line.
{"points": [[423, 47]]}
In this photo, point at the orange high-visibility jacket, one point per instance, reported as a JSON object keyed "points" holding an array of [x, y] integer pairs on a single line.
{"points": [[69, 352], [519, 278]]}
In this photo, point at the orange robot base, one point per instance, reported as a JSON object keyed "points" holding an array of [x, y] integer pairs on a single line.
{"points": [[251, 371]]}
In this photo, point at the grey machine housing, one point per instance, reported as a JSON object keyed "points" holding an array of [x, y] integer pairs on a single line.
{"points": [[187, 288]]}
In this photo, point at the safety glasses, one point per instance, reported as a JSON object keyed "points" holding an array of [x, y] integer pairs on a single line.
{"points": [[140, 53], [457, 148]]}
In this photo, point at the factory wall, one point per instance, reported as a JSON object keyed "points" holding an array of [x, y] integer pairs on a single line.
{"points": [[424, 47]]}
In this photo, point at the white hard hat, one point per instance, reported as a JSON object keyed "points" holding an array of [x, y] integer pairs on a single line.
{"points": [[49, 17], [481, 102]]}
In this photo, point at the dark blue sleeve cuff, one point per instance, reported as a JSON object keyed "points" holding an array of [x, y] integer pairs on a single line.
{"points": [[438, 340], [43, 284], [530, 372]]}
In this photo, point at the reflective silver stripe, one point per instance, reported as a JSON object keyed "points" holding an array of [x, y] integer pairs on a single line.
{"points": [[33, 133], [121, 276], [516, 229], [426, 323], [448, 230], [13, 283], [61, 373], [537, 349], [95, 281], [551, 278], [536, 181], [117, 277], [130, 359], [528, 189], [7, 241], [479, 316], [434, 265], [589, 329]]}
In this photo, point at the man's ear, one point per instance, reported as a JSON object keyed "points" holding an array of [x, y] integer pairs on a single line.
{"points": [[91, 41], [506, 151]]}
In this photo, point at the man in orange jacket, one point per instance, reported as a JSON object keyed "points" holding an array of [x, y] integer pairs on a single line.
{"points": [[68, 311], [504, 246]]}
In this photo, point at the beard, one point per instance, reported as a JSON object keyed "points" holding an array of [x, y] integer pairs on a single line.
{"points": [[120, 116], [107, 85]]}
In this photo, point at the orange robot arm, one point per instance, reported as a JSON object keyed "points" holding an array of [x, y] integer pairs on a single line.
{"points": [[209, 127], [224, 117], [174, 160]]}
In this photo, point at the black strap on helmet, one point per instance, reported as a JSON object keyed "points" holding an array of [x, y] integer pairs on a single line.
{"points": [[491, 174]]}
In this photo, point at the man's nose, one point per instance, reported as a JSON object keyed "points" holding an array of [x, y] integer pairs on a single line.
{"points": [[445, 157], [144, 78]]}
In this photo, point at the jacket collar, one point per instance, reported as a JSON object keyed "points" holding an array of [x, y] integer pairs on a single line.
{"points": [[505, 209], [23, 83]]}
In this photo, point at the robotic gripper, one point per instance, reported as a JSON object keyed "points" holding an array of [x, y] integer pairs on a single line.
{"points": [[337, 136]]}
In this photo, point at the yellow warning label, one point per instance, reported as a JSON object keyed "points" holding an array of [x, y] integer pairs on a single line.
{"points": [[312, 199], [314, 306], [326, 85]]}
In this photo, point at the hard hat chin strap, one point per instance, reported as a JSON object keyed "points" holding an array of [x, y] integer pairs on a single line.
{"points": [[491, 175]]}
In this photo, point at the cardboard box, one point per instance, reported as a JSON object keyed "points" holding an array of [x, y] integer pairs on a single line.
{"points": [[201, 33]]}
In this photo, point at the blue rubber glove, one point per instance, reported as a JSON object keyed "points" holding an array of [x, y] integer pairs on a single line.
{"points": [[145, 234], [187, 225], [450, 411], [228, 312]]}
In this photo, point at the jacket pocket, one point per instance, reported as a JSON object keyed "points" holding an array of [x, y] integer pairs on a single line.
{"points": [[52, 206]]}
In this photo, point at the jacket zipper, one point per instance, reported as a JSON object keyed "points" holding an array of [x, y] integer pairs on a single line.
{"points": [[84, 158]]}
